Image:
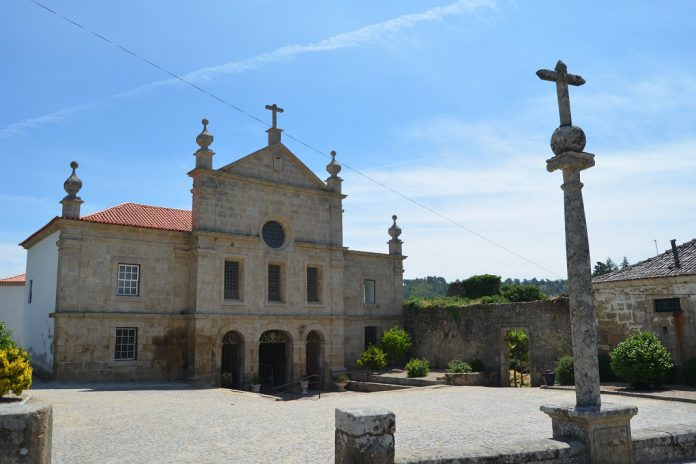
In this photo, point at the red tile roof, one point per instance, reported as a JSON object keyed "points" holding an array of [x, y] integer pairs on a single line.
{"points": [[14, 280], [150, 217]]}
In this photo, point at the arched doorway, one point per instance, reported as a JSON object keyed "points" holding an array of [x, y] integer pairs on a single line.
{"points": [[275, 353], [314, 359], [232, 359]]}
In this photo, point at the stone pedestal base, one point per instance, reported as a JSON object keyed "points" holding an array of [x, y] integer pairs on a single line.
{"points": [[605, 430], [365, 436], [25, 433]]}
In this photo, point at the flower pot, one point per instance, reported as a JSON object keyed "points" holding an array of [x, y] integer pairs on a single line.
{"points": [[304, 385], [341, 385], [256, 387], [549, 378]]}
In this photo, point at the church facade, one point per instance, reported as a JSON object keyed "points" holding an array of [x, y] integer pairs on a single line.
{"points": [[253, 282]]}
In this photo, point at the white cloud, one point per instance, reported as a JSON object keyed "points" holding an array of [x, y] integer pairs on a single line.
{"points": [[358, 37]]}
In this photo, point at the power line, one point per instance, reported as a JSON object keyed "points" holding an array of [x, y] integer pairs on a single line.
{"points": [[225, 102]]}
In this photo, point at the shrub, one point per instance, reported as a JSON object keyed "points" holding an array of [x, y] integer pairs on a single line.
{"points": [[475, 286], [5, 337], [565, 375], [689, 372], [605, 372], [493, 299], [373, 359], [437, 302], [476, 365], [641, 360], [457, 367], [417, 367], [15, 371], [395, 343], [342, 378], [518, 293], [227, 380]]}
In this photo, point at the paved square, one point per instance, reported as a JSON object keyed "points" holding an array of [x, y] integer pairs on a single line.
{"points": [[176, 423]]}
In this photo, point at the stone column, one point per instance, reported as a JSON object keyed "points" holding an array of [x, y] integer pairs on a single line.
{"points": [[605, 429], [365, 436], [25, 433]]}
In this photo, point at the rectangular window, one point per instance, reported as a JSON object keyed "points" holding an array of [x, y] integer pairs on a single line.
{"points": [[667, 305], [126, 343], [312, 285], [369, 291], [370, 336], [231, 280], [128, 280], [274, 290], [31, 290]]}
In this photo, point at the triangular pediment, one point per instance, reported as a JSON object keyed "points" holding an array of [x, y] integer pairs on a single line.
{"points": [[275, 163]]}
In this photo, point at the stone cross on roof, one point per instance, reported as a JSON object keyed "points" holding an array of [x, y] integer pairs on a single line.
{"points": [[561, 77], [275, 109]]}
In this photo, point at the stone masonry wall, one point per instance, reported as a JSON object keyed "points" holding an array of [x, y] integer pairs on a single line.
{"points": [[440, 335], [624, 306]]}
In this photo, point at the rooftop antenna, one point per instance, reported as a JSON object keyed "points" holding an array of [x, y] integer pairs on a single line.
{"points": [[656, 251]]}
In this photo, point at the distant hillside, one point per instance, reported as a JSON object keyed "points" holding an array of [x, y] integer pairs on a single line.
{"points": [[425, 287], [431, 286]]}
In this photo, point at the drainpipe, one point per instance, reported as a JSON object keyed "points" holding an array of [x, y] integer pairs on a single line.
{"points": [[677, 264]]}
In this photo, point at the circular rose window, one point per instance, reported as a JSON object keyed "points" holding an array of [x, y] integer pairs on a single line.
{"points": [[273, 234]]}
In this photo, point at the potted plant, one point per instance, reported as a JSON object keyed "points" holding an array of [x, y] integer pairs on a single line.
{"points": [[255, 383], [341, 381], [304, 385], [549, 378]]}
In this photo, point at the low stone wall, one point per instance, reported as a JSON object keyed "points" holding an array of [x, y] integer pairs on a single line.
{"points": [[667, 444], [25, 433], [480, 331], [469, 379]]}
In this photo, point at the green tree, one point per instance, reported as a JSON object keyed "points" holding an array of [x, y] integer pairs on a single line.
{"points": [[518, 344], [6, 340], [395, 343], [425, 287], [624, 263], [475, 286], [518, 293], [604, 267]]}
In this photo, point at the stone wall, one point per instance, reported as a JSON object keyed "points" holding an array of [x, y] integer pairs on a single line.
{"points": [[479, 331], [624, 306]]}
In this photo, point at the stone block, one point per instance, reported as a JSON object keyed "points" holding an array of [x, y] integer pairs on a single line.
{"points": [[605, 430], [365, 436], [25, 433]]}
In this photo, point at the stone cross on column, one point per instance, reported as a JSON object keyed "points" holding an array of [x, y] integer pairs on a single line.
{"points": [[275, 109], [561, 77], [605, 429]]}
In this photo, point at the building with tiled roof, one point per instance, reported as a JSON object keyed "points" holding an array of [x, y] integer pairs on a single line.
{"points": [[252, 281], [657, 294], [11, 303]]}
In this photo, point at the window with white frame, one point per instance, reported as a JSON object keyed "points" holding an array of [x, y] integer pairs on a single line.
{"points": [[128, 280], [126, 345], [369, 291]]}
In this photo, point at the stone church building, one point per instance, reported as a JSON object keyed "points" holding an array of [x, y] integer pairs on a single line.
{"points": [[253, 281]]}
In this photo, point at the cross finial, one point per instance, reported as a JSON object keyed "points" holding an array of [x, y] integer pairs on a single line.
{"points": [[275, 109], [561, 77]]}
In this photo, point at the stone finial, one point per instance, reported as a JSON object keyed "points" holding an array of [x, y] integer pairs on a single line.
{"points": [[71, 203], [204, 155], [205, 138], [333, 168], [72, 184], [395, 243]]}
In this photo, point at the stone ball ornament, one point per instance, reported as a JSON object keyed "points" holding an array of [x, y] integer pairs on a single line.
{"points": [[72, 184], [205, 138], [394, 230], [568, 138]]}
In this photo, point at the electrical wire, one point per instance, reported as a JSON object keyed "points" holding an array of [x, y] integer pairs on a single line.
{"points": [[301, 142]]}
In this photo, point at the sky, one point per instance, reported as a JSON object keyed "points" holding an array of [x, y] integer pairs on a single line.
{"points": [[433, 108]]}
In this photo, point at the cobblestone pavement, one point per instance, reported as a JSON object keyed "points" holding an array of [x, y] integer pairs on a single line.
{"points": [[180, 424]]}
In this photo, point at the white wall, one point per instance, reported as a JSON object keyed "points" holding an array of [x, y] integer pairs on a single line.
{"points": [[11, 306], [42, 269]]}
